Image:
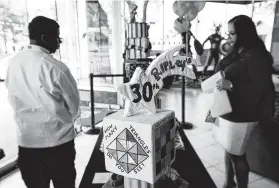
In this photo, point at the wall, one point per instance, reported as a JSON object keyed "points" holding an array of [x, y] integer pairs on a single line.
{"points": [[275, 38]]}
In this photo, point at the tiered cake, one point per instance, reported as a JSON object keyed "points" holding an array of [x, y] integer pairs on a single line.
{"points": [[137, 43], [137, 48]]}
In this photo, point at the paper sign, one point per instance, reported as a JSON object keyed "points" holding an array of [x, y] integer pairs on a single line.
{"points": [[209, 84], [221, 104], [101, 178]]}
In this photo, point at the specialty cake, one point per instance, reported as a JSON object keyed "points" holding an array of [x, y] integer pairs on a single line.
{"points": [[137, 48], [137, 44]]}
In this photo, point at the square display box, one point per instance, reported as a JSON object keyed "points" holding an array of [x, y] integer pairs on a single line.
{"points": [[140, 146]]}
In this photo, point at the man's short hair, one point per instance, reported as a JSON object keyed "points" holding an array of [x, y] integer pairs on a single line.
{"points": [[42, 25]]}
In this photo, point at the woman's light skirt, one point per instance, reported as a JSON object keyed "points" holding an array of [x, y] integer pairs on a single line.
{"points": [[233, 136]]}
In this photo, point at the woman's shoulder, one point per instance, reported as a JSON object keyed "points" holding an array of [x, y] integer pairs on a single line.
{"points": [[258, 55]]}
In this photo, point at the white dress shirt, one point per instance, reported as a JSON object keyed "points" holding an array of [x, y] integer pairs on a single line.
{"points": [[44, 96]]}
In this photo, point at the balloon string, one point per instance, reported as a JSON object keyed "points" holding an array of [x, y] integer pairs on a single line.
{"points": [[253, 9], [163, 25], [186, 43]]}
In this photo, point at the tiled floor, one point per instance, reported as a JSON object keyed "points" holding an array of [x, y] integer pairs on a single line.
{"points": [[7, 126], [84, 147], [212, 156], [201, 138]]}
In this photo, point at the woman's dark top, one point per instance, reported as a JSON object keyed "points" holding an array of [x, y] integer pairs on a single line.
{"points": [[252, 96]]}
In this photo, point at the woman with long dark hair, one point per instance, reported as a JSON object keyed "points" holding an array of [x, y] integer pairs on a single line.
{"points": [[248, 81]]}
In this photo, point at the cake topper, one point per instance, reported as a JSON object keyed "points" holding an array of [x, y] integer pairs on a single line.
{"points": [[133, 10], [143, 86]]}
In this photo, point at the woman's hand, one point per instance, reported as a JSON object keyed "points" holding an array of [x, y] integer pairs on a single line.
{"points": [[224, 84]]}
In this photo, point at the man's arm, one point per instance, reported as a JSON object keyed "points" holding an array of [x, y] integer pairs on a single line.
{"points": [[70, 93]]}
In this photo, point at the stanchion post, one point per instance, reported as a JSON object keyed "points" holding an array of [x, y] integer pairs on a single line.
{"points": [[183, 124], [93, 130]]}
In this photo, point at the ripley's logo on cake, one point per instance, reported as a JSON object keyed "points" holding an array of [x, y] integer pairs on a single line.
{"points": [[168, 65], [129, 151]]}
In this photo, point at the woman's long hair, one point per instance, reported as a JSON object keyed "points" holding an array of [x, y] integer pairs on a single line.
{"points": [[247, 36]]}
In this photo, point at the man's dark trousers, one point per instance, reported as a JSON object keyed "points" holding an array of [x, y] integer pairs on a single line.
{"points": [[40, 165]]}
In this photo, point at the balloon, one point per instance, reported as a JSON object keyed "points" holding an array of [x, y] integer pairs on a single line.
{"points": [[199, 5], [180, 8], [181, 25], [192, 14], [142, 88]]}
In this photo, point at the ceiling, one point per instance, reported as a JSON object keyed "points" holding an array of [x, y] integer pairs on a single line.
{"points": [[237, 2]]}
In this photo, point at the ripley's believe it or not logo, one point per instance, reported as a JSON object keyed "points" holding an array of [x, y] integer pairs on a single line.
{"points": [[143, 86]]}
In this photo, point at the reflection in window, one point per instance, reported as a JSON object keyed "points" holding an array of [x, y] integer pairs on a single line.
{"points": [[263, 16], [160, 18], [12, 22], [69, 48], [41, 8], [13, 36], [99, 38]]}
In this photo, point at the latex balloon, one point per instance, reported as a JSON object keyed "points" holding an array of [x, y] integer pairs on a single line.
{"points": [[180, 8], [192, 11], [192, 14], [140, 91], [200, 5], [181, 25]]}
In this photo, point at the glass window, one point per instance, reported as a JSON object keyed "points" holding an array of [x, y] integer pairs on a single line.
{"points": [[263, 16], [13, 21], [65, 13], [98, 37], [203, 25], [41, 8], [67, 18]]}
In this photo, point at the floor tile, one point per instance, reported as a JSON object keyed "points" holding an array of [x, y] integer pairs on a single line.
{"points": [[264, 183], [13, 180], [83, 153], [198, 130], [252, 176], [202, 140], [205, 164], [212, 154], [217, 176]]}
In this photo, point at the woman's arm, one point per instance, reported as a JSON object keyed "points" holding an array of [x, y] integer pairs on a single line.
{"points": [[259, 69]]}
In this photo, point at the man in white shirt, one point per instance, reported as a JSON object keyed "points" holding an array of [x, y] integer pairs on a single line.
{"points": [[45, 98]]}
